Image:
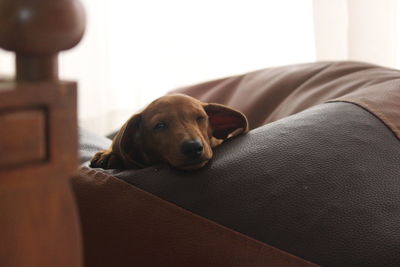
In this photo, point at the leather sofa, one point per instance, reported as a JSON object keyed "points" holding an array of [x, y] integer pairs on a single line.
{"points": [[317, 178]]}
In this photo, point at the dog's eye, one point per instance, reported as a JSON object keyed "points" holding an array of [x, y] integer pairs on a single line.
{"points": [[200, 118], [160, 125]]}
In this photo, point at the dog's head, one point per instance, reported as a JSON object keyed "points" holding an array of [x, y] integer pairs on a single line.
{"points": [[179, 130]]}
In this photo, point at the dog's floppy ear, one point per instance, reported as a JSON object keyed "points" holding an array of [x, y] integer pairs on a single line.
{"points": [[127, 144], [225, 121]]}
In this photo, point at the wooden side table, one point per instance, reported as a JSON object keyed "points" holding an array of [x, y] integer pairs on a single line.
{"points": [[38, 136]]}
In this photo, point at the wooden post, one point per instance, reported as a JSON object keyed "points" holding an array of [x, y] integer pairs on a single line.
{"points": [[39, 224], [37, 30]]}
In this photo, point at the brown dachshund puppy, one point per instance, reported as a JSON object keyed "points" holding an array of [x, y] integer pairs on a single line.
{"points": [[176, 129]]}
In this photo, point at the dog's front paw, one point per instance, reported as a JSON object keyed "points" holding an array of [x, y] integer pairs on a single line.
{"points": [[106, 159]]}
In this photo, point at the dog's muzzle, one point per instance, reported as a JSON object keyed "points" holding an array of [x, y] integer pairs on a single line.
{"points": [[192, 149]]}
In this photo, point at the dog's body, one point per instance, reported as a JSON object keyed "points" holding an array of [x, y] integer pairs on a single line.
{"points": [[176, 129]]}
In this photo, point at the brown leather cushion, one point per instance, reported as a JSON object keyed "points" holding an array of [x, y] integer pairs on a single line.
{"points": [[272, 94], [321, 184]]}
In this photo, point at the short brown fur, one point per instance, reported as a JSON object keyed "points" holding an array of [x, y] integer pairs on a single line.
{"points": [[157, 133]]}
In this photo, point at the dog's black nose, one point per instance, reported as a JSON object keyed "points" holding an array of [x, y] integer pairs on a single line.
{"points": [[192, 148]]}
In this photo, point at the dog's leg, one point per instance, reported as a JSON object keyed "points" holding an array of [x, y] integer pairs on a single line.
{"points": [[106, 159], [215, 142]]}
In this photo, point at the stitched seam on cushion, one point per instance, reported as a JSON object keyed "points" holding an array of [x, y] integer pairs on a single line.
{"points": [[379, 115], [219, 229]]}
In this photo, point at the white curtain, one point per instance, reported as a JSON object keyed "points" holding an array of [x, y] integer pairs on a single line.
{"points": [[135, 51], [361, 30]]}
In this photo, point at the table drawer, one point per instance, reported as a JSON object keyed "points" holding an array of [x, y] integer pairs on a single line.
{"points": [[22, 137]]}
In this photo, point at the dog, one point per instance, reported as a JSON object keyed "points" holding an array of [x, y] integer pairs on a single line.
{"points": [[176, 129]]}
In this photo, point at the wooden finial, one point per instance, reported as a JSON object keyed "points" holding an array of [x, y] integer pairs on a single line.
{"points": [[37, 30]]}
